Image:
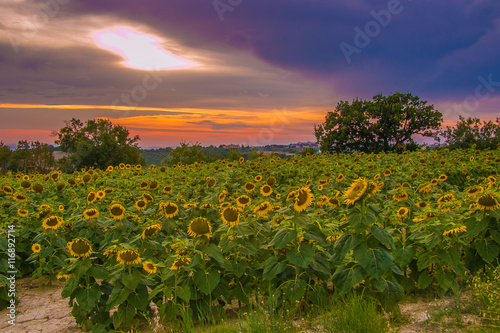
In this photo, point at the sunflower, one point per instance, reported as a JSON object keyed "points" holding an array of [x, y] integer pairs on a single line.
{"points": [[86, 178], [100, 194], [110, 168], [199, 227], [434, 181], [169, 209], [211, 182], [243, 201], [128, 257], [141, 204], [400, 196], [25, 184], [402, 212], [372, 189], [79, 247], [271, 181], [303, 199], [258, 178], [167, 189], [356, 191], [266, 190], [241, 160], [149, 267], [222, 196], [442, 178], [44, 212], [22, 212], [37, 188], [52, 222], [333, 201], [422, 204], [425, 188], [230, 216], [322, 201], [340, 177], [492, 179], [291, 195], [178, 263], [249, 187], [60, 208], [446, 198], [475, 190], [36, 248], [278, 196], [455, 230], [262, 208], [376, 177], [487, 202], [8, 190], [151, 230], [206, 206], [117, 211], [91, 197], [90, 213], [148, 197]]}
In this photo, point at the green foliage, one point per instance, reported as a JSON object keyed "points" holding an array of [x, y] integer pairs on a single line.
{"points": [[96, 144], [32, 156], [384, 124], [186, 154], [486, 290], [5, 154], [355, 313], [470, 132]]}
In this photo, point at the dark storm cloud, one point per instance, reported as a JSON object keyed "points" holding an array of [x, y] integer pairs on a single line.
{"points": [[418, 47]]}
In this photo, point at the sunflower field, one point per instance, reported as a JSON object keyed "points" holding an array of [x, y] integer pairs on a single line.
{"points": [[189, 240]]}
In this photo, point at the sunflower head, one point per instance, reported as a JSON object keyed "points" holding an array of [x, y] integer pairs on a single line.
{"points": [[262, 208], [128, 257], [258, 178], [90, 213], [243, 201], [149, 267], [199, 227], [22, 212], [303, 199], [52, 222], [487, 201], [211, 182], [37, 188], [167, 189], [169, 209], [266, 190], [249, 186], [402, 212], [355, 191], [79, 247], [141, 204], [36, 248], [117, 211], [151, 230], [400, 196], [178, 263], [475, 190], [91, 197], [230, 216], [271, 181], [222, 196]]}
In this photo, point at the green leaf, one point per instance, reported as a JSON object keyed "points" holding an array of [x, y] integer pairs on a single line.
{"points": [[206, 281], [126, 313], [282, 238], [139, 299], [60, 242], [383, 236], [241, 295], [295, 289], [213, 251], [130, 281], [69, 287], [82, 267], [98, 272], [391, 293], [487, 249], [239, 268], [320, 264], [495, 235], [375, 261], [46, 251], [118, 296], [361, 222], [89, 297], [474, 227], [317, 295], [426, 259], [183, 292], [301, 257], [445, 279], [451, 257], [404, 256], [347, 277], [273, 267], [424, 279]]}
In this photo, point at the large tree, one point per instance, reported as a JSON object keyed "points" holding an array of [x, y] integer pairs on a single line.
{"points": [[98, 143], [385, 124], [471, 131], [32, 156], [5, 154]]}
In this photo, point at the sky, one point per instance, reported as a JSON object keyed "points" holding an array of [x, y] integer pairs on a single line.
{"points": [[251, 72]]}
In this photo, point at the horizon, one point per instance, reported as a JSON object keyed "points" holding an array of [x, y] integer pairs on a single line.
{"points": [[252, 73]]}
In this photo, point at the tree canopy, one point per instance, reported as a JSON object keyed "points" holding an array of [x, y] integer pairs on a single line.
{"points": [[98, 143], [472, 132], [385, 124]]}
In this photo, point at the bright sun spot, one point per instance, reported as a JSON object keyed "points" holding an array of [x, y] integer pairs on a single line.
{"points": [[141, 51]]}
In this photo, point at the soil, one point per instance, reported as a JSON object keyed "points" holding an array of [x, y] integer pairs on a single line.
{"points": [[42, 309]]}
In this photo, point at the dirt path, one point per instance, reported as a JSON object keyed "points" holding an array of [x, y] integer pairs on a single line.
{"points": [[40, 309]]}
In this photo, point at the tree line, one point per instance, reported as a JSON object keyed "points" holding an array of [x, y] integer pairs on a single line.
{"points": [[384, 124]]}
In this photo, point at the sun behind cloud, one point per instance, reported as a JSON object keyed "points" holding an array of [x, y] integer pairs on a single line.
{"points": [[140, 50]]}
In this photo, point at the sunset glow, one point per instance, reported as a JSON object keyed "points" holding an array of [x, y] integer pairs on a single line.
{"points": [[140, 51]]}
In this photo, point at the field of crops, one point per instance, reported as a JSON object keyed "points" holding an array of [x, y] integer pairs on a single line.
{"points": [[190, 239]]}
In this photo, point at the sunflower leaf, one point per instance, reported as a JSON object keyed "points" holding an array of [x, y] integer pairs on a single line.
{"points": [[282, 238], [214, 252], [130, 281], [183, 292], [383, 236], [474, 227], [206, 280], [301, 257], [89, 297], [295, 289], [376, 261], [273, 267], [487, 249], [346, 277]]}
